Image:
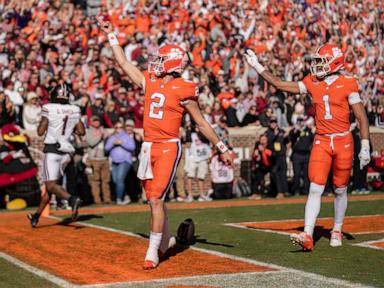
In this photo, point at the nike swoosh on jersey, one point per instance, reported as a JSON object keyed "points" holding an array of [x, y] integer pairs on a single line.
{"points": [[166, 150], [339, 86]]}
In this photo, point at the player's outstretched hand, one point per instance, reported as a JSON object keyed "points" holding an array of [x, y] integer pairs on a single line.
{"points": [[227, 158], [251, 57], [105, 26], [364, 157]]}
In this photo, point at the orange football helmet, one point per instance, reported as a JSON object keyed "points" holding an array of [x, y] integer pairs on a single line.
{"points": [[169, 58], [328, 59]]}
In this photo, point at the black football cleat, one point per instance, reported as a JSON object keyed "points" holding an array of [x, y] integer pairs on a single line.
{"points": [[33, 218], [75, 204]]}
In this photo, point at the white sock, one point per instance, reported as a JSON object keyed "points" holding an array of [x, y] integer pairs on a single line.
{"points": [[340, 206], [164, 245], [312, 208], [154, 244]]}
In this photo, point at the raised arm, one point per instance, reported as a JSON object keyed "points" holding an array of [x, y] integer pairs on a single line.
{"points": [[131, 70], [208, 132], [287, 86]]}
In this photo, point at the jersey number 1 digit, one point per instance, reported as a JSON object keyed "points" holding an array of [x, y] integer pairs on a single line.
{"points": [[65, 120], [327, 115], [155, 110]]}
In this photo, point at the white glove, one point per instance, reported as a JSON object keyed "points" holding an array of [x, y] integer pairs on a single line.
{"points": [[364, 155], [253, 61], [66, 147]]}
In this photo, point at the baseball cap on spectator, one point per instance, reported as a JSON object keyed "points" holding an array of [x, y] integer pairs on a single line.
{"points": [[223, 119], [99, 96], [273, 119], [130, 122], [122, 90], [31, 95], [95, 118]]}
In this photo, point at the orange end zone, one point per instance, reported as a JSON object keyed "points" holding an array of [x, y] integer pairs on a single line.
{"points": [[378, 244], [353, 225], [85, 255]]}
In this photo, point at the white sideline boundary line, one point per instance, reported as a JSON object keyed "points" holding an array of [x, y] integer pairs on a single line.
{"points": [[172, 279], [63, 283], [34, 270], [301, 219], [240, 225], [237, 225], [367, 244]]}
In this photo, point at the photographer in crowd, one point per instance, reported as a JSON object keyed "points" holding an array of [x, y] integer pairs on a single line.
{"points": [[301, 138]]}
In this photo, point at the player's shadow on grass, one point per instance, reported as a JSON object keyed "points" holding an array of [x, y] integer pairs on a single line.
{"points": [[320, 232], [80, 218], [180, 247]]}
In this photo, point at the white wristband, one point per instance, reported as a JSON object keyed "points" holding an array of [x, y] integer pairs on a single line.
{"points": [[221, 147], [365, 144], [113, 41], [259, 68]]}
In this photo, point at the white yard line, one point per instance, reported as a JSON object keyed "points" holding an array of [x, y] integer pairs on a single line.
{"points": [[242, 225], [238, 225], [368, 244], [169, 280], [38, 272]]}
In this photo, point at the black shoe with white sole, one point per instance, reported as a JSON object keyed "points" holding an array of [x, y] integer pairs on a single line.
{"points": [[33, 218], [75, 203]]}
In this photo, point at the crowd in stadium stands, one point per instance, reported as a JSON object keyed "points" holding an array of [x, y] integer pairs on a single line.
{"points": [[43, 42]]}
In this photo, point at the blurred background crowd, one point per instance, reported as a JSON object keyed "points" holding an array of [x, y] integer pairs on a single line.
{"points": [[46, 42]]}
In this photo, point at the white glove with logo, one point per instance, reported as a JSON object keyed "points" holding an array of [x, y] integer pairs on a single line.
{"points": [[253, 61], [364, 155]]}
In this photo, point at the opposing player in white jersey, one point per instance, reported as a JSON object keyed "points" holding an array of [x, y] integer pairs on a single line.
{"points": [[59, 120]]}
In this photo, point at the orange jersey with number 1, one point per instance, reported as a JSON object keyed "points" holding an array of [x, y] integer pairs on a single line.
{"points": [[331, 98], [164, 107]]}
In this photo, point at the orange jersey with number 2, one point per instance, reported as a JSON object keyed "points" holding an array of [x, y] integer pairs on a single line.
{"points": [[164, 107], [331, 98]]}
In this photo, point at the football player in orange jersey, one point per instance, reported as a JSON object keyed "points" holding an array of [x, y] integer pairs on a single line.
{"points": [[167, 97], [333, 95]]}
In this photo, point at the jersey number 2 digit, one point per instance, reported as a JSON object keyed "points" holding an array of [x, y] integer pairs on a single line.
{"points": [[155, 110], [327, 115]]}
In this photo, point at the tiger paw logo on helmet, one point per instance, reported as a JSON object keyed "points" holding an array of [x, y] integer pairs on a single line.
{"points": [[168, 59], [328, 59]]}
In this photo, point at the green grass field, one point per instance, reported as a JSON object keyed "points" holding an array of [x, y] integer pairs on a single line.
{"points": [[351, 263]]}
